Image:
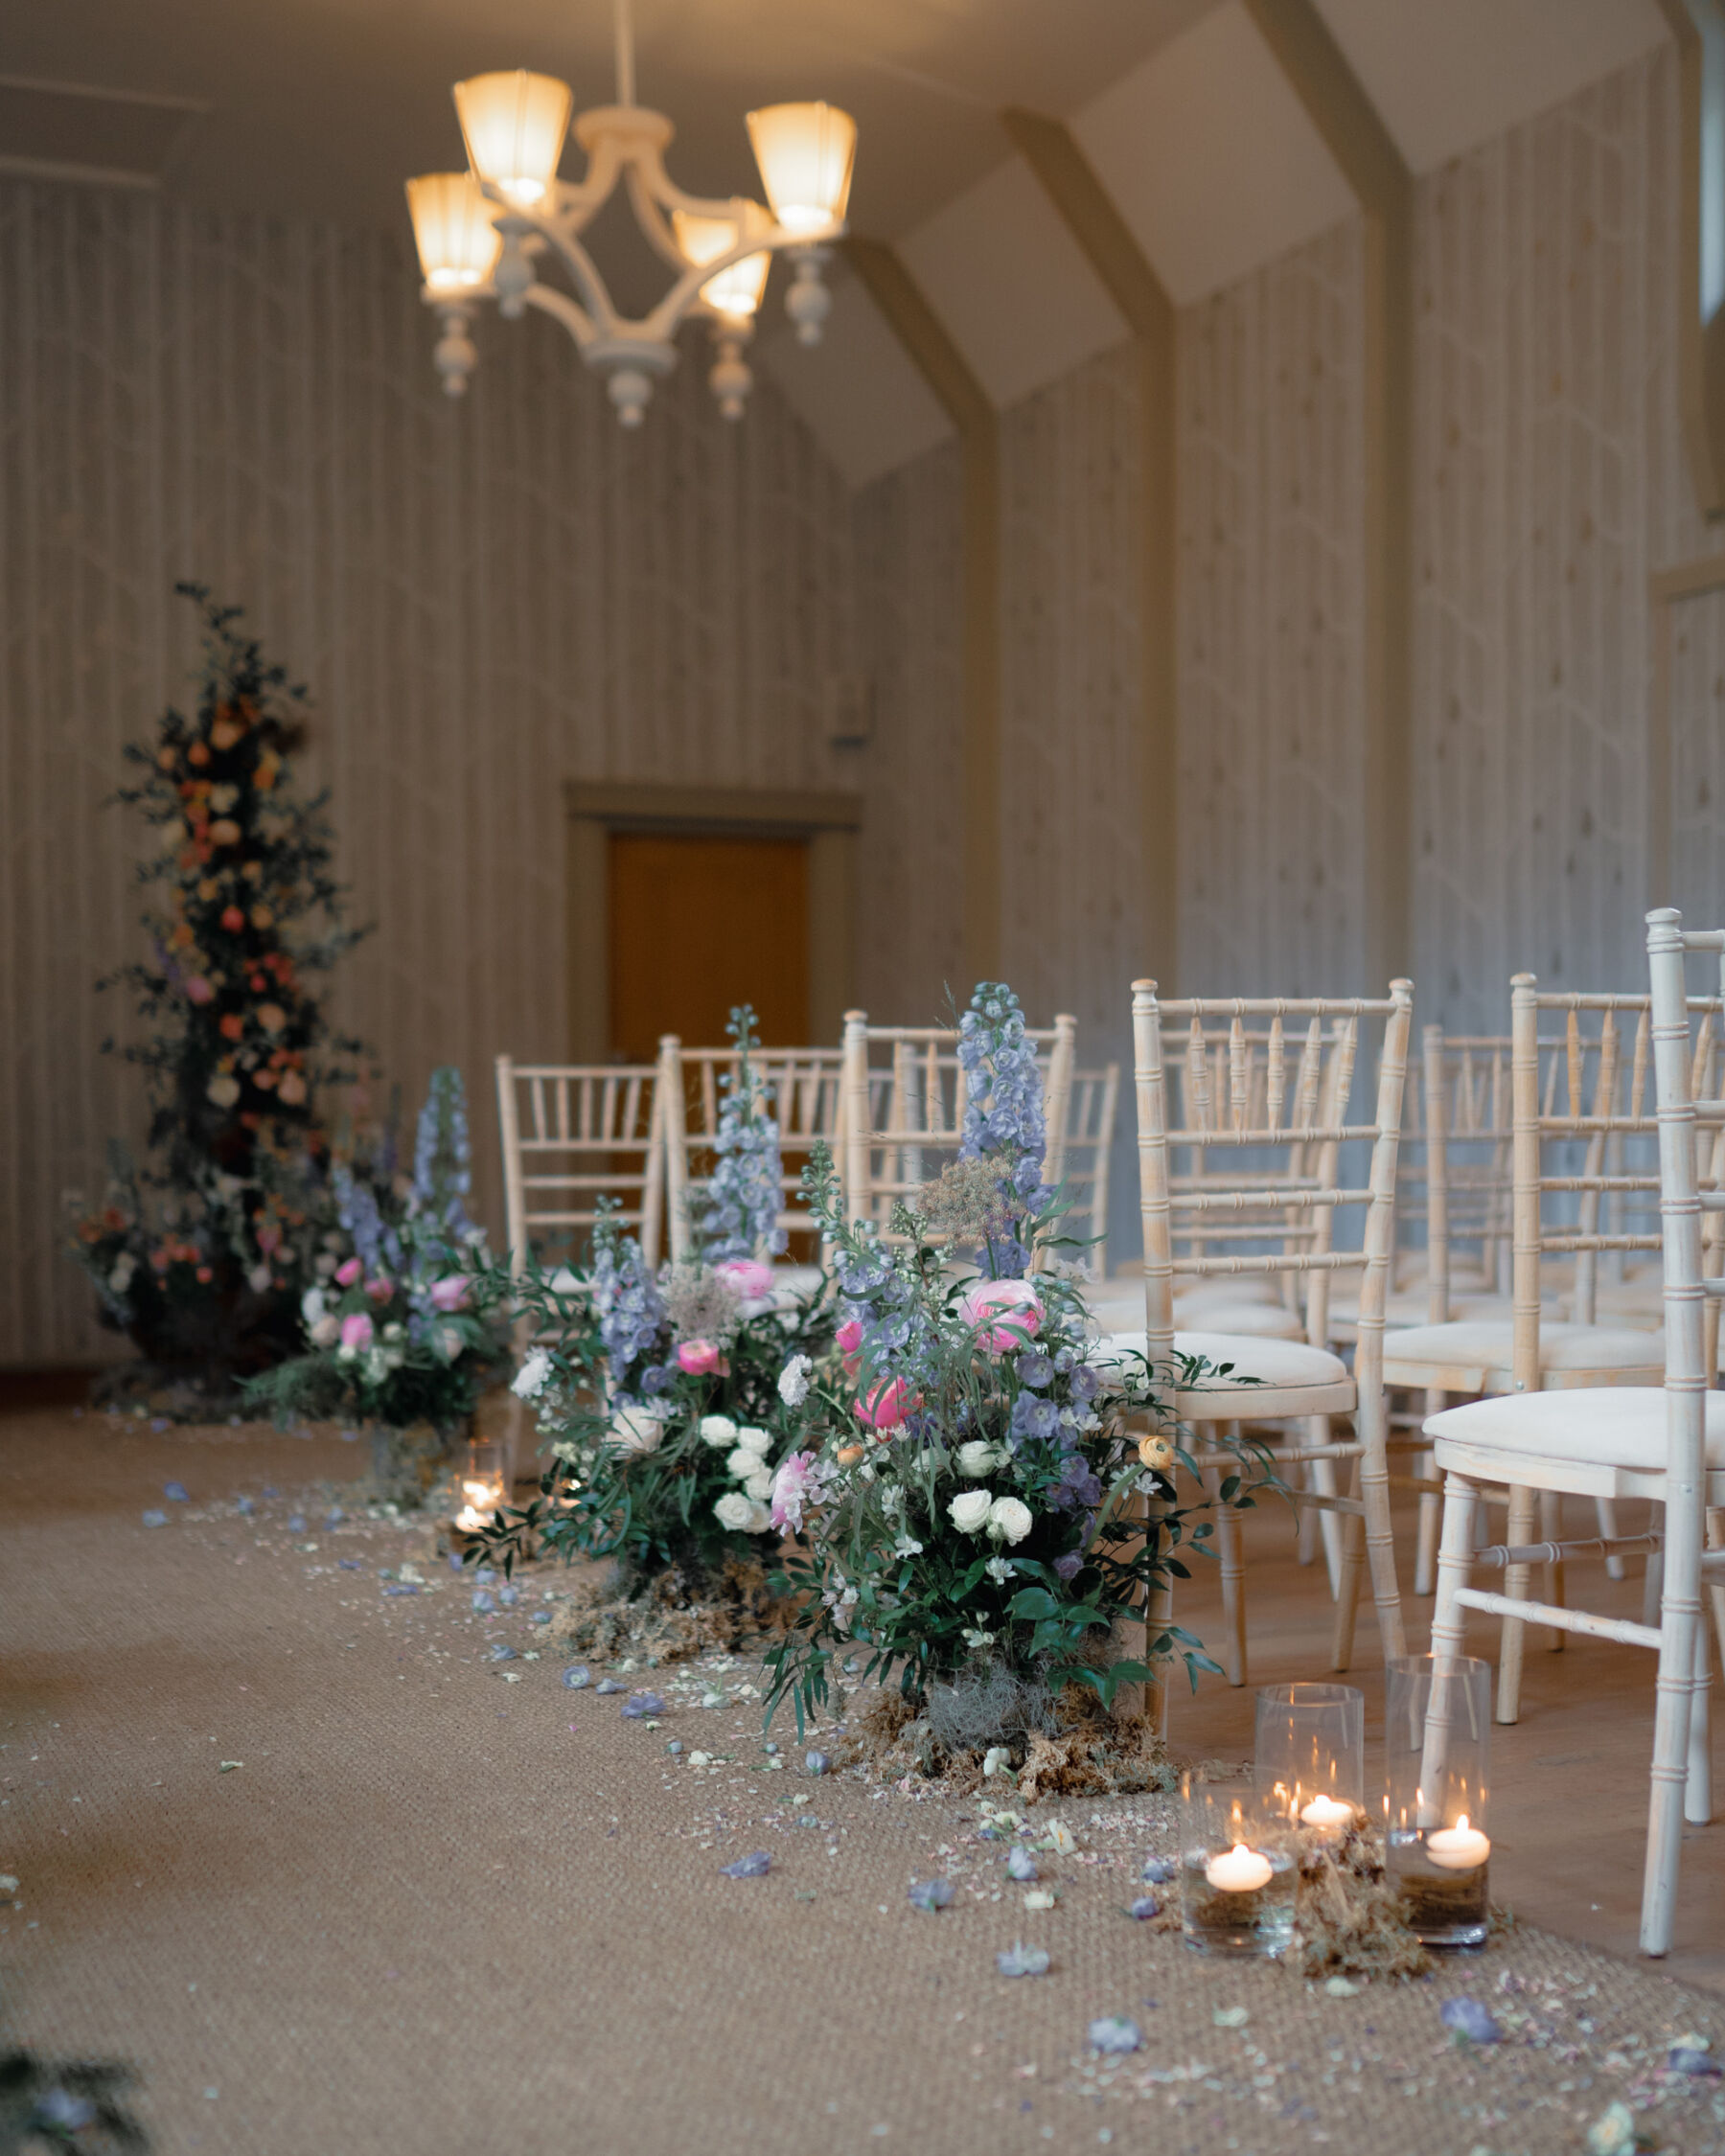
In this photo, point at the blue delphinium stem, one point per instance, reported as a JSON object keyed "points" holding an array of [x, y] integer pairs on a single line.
{"points": [[739, 1214]]}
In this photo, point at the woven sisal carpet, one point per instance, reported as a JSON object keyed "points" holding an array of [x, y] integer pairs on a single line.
{"points": [[433, 1910]]}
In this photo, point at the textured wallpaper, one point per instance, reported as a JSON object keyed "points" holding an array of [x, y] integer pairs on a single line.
{"points": [[487, 598]]}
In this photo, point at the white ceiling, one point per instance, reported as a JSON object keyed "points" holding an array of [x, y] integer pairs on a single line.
{"points": [[322, 107]]}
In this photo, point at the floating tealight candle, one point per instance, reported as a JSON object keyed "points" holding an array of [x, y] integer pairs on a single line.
{"points": [[1239, 1870], [1460, 1848], [1326, 1811]]}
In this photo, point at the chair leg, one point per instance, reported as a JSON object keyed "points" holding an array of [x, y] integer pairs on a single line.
{"points": [[1372, 1424], [1670, 1776], [1159, 1612], [1697, 1788], [1347, 1597], [1231, 1544], [1551, 1529], [1605, 1511], [1513, 1635], [1431, 1507], [1715, 1540], [1321, 1475], [1449, 1623]]}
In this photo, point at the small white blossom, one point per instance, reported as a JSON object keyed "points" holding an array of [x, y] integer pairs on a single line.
{"points": [[892, 1499], [533, 1376], [794, 1381], [1001, 1570], [974, 1636], [907, 1545], [312, 1305], [717, 1431]]}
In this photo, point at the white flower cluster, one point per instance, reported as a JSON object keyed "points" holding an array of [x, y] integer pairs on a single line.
{"points": [[1006, 1519], [794, 1381], [745, 1510], [533, 1376], [323, 1328]]}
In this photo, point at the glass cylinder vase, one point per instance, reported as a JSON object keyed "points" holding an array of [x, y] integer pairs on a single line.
{"points": [[481, 1488], [1310, 1751], [1238, 1867], [1437, 1742]]}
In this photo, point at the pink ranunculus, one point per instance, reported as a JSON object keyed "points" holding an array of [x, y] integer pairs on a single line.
{"points": [[1004, 1314], [799, 1481], [199, 990], [885, 1406], [746, 1277], [347, 1272], [380, 1289], [848, 1340], [356, 1330], [699, 1358], [450, 1293]]}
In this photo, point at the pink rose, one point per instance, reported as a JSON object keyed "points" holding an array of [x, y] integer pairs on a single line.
{"points": [[450, 1293], [849, 1341], [356, 1330], [748, 1276], [1004, 1314], [347, 1272], [380, 1289], [801, 1481], [199, 990], [699, 1358], [885, 1406]]}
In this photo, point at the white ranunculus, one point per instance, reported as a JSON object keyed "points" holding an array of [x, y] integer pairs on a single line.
{"points": [[533, 1376], [794, 1381], [312, 1305], [1010, 1520], [718, 1430], [969, 1511], [734, 1510], [751, 1438], [742, 1463], [759, 1484], [760, 1517], [325, 1331], [978, 1458], [637, 1429]]}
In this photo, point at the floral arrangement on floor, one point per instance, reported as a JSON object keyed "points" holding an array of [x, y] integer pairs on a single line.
{"points": [[969, 1492], [669, 1396], [201, 1259], [407, 1318]]}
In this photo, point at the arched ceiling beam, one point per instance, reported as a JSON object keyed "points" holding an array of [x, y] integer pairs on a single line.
{"points": [[1700, 28], [1069, 181], [949, 375], [1319, 72]]}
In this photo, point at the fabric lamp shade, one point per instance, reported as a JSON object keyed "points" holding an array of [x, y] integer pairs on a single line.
{"points": [[805, 153], [735, 290], [514, 124], [458, 248]]}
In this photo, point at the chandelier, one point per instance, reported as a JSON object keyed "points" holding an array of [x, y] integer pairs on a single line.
{"points": [[486, 233]]}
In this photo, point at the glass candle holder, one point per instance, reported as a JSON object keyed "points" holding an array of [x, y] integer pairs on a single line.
{"points": [[481, 1487], [1310, 1752], [1437, 1734], [1239, 1867]]}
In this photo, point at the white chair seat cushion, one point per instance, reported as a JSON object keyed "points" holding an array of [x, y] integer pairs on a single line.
{"points": [[1225, 1286], [1486, 1344], [1294, 1378], [1615, 1426], [1261, 1321]]}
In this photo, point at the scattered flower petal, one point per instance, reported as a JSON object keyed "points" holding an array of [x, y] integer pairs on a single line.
{"points": [[1158, 1871], [502, 1651], [1020, 1863], [176, 1493], [1613, 2132], [930, 1894], [817, 1762], [155, 1519], [608, 1684], [1343, 1987], [1041, 1897], [577, 1677], [641, 1704], [1468, 2018], [754, 1865], [1690, 2055], [1231, 2017], [484, 1601], [410, 1587], [1144, 1908], [1116, 2032], [1021, 1961]]}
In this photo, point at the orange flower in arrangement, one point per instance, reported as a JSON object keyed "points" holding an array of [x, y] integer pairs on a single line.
{"points": [[262, 917], [182, 936], [224, 832], [291, 1090], [166, 759], [233, 919], [198, 753], [263, 1080], [263, 779], [208, 889], [271, 1016], [225, 733], [257, 984], [233, 1025]]}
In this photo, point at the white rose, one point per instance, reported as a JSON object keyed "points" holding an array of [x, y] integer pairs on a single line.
{"points": [[742, 1463], [734, 1510], [121, 1277], [752, 1440], [326, 1332], [718, 1430], [312, 1305], [760, 1518], [978, 1458], [759, 1485], [969, 1511], [1010, 1520], [637, 1429], [533, 1376], [452, 1343], [794, 1381]]}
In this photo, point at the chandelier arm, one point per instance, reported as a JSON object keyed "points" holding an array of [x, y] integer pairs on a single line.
{"points": [[648, 166], [678, 301], [600, 314], [577, 203], [563, 309], [651, 222]]}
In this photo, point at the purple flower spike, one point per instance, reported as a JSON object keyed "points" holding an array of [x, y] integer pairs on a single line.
{"points": [[1116, 2032], [1468, 2018], [1021, 1961], [1157, 1872], [755, 1866], [1145, 1907], [640, 1704], [608, 1684], [1020, 1864], [930, 1894], [577, 1677]]}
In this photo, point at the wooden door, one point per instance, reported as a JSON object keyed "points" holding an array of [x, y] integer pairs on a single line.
{"points": [[699, 923]]}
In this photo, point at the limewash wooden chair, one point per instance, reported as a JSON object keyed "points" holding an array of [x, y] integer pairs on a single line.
{"points": [[1664, 1443], [1092, 1110], [1212, 1210], [803, 1093], [904, 1096]]}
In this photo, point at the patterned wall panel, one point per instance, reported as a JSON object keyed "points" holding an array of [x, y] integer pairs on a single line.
{"points": [[1549, 481], [1696, 717], [486, 597]]}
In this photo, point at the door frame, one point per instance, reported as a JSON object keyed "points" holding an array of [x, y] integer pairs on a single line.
{"points": [[830, 823]]}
